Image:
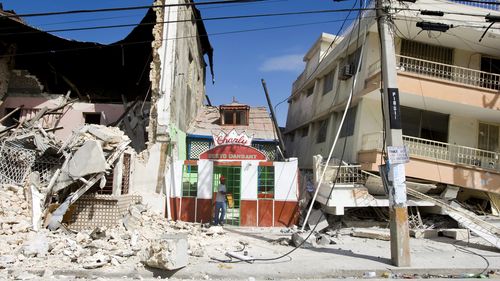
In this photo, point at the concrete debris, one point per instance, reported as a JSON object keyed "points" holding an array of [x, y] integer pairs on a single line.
{"points": [[381, 234], [101, 247], [88, 159], [303, 240], [457, 234], [317, 220]]}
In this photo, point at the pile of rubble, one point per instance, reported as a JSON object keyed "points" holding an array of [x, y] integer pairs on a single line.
{"points": [[55, 174], [40, 180], [143, 239]]}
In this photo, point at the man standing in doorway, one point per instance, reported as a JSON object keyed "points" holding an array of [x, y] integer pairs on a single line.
{"points": [[220, 202]]}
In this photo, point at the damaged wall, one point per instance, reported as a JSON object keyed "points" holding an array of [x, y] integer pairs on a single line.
{"points": [[70, 118]]}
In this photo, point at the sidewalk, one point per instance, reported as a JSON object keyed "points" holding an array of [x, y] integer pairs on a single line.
{"points": [[351, 257]]}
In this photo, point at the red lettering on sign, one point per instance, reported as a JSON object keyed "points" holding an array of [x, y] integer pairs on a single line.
{"points": [[233, 152]]}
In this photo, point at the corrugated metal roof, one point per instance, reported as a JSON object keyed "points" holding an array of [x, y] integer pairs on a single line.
{"points": [[208, 122]]}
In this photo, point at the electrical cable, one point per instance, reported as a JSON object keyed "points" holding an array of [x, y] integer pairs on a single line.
{"points": [[174, 38], [70, 12], [326, 165], [184, 20], [321, 57]]}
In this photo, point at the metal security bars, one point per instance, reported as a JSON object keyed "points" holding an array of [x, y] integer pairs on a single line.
{"points": [[266, 182], [450, 72], [189, 181]]}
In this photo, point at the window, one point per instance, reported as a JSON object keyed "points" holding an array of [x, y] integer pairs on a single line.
{"points": [[310, 91], [189, 181], [322, 128], [92, 118], [291, 136], [328, 82], [304, 131], [489, 77], [235, 117], [488, 137], [348, 126], [426, 51], [266, 182], [424, 124]]}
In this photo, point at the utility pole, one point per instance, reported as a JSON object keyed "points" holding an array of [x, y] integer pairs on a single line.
{"points": [[394, 170], [281, 142]]}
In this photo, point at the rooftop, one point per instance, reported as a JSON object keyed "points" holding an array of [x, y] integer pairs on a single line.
{"points": [[208, 122]]}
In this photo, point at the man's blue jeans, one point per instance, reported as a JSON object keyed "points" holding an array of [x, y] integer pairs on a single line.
{"points": [[220, 212]]}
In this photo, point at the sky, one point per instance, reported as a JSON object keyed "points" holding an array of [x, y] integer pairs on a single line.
{"points": [[273, 51]]}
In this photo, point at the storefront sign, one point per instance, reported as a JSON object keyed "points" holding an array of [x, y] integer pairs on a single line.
{"points": [[232, 138], [233, 152]]}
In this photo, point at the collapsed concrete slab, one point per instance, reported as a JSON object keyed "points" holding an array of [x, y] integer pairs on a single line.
{"points": [[88, 159], [170, 252]]}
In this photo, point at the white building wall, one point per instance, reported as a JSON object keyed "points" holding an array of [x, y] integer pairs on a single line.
{"points": [[144, 178], [249, 177], [205, 179], [176, 180], [286, 180], [167, 57]]}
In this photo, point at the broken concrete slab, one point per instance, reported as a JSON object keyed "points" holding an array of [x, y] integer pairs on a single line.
{"points": [[37, 245], [457, 234], [381, 234], [424, 233], [304, 240], [96, 261], [317, 220], [169, 253], [107, 134], [88, 159], [324, 240]]}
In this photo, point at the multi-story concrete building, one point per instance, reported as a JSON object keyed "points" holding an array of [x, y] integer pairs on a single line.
{"points": [[449, 86]]}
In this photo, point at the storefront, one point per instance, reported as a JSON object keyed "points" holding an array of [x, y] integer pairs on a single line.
{"points": [[264, 192]]}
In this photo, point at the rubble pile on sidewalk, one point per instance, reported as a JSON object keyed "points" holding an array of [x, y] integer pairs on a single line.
{"points": [[142, 237]]}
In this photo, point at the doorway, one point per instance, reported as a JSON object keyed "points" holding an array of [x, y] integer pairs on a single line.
{"points": [[233, 188]]}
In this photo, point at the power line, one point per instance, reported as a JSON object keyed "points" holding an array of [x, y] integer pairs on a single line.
{"points": [[125, 8], [324, 55], [175, 38], [189, 20]]}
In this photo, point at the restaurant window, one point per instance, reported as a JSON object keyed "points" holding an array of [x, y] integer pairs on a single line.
{"points": [[189, 181], [266, 181]]}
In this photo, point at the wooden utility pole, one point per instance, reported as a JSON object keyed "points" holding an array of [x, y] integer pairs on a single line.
{"points": [[394, 168]]}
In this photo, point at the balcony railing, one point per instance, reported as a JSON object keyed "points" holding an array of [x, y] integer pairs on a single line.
{"points": [[479, 4], [347, 173], [449, 72], [440, 151]]}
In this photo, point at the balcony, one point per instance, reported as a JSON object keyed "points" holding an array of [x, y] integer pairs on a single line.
{"points": [[456, 154], [452, 73], [439, 162]]}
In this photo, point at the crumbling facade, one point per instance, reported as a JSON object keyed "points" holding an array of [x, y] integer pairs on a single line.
{"points": [[150, 85]]}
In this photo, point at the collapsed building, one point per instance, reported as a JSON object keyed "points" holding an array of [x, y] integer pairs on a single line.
{"points": [[57, 96], [448, 94]]}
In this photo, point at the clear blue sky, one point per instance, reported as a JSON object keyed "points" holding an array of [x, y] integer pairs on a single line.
{"points": [[240, 59]]}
